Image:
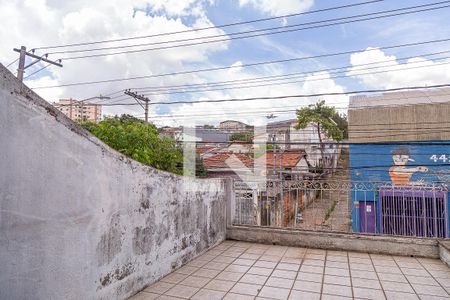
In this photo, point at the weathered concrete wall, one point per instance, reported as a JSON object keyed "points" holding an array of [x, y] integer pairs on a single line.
{"points": [[444, 251], [419, 122], [80, 221], [336, 241]]}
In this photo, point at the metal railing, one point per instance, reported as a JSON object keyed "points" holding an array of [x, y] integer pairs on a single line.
{"points": [[344, 206]]}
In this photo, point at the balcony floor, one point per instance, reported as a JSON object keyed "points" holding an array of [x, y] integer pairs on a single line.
{"points": [[239, 270]]}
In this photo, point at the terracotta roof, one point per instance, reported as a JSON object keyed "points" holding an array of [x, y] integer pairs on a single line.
{"points": [[218, 161], [201, 150], [289, 160]]}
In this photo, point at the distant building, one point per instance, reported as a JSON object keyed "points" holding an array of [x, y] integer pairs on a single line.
{"points": [[175, 133], [79, 110], [307, 139], [231, 126], [292, 164], [228, 165]]}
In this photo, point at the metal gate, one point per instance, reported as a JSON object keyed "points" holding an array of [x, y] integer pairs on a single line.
{"points": [[419, 213]]}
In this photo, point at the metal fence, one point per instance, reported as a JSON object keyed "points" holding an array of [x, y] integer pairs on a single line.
{"points": [[344, 206]]}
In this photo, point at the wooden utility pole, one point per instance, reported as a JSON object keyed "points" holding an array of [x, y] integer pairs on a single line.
{"points": [[21, 68], [138, 99], [23, 54]]}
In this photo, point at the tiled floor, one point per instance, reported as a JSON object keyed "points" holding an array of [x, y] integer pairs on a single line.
{"points": [[238, 270]]}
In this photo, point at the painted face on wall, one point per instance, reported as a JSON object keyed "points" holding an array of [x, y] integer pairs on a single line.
{"points": [[399, 173], [401, 159]]}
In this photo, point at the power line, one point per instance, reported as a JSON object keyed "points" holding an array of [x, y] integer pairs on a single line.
{"points": [[304, 78], [237, 33], [10, 64], [259, 34], [246, 65], [119, 98], [209, 27], [273, 110], [289, 75], [37, 71], [342, 143], [292, 96]]}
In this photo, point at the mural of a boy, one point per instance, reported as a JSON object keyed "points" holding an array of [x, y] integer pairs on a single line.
{"points": [[399, 173]]}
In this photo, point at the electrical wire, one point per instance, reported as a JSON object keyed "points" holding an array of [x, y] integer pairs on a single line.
{"points": [[342, 143], [220, 83], [239, 33], [10, 64], [306, 78], [210, 27], [288, 96], [250, 36], [248, 65], [37, 71]]}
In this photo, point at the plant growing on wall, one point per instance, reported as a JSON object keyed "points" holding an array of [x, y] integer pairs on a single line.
{"points": [[327, 121], [139, 141]]}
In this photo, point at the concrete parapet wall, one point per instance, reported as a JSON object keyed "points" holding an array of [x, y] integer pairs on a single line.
{"points": [[79, 220], [444, 251], [336, 241]]}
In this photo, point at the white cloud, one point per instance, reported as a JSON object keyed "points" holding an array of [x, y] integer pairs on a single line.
{"points": [[245, 111], [36, 23], [53, 23], [416, 71], [277, 8]]}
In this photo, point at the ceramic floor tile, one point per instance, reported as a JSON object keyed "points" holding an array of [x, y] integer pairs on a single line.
{"points": [[254, 279], [284, 274], [302, 276], [208, 295], [246, 289], [219, 285], [308, 286], [280, 282], [233, 296], [260, 271], [195, 281], [274, 293], [330, 279], [297, 295], [159, 287], [181, 291], [338, 290], [365, 293]]}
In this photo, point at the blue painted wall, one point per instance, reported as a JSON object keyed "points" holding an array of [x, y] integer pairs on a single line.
{"points": [[373, 162]]}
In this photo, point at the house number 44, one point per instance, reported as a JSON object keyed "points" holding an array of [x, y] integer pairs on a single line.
{"points": [[437, 158]]}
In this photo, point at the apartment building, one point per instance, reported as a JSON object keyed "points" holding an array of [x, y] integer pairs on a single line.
{"points": [[79, 110]]}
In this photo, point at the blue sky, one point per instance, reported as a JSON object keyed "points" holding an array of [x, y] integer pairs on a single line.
{"points": [[41, 22]]}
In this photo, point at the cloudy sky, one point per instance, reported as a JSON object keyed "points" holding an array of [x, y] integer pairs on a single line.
{"points": [[39, 23]]}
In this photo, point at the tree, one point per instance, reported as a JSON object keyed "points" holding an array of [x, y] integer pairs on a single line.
{"points": [[242, 136], [326, 119], [200, 169], [139, 141], [342, 123]]}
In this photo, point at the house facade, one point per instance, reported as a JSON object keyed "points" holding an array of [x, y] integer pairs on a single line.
{"points": [[306, 139], [400, 156]]}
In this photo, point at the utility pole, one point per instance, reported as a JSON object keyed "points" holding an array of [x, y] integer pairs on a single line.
{"points": [[138, 99], [274, 138], [23, 54]]}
